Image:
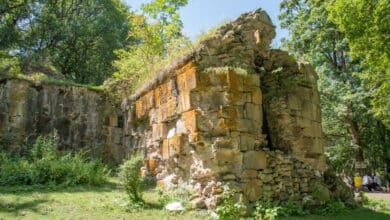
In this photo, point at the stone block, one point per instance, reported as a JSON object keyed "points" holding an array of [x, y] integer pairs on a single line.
{"points": [[252, 190], [247, 142], [151, 165], [193, 137], [226, 142], [184, 102], [176, 144], [159, 131], [186, 78], [318, 146], [307, 109], [211, 99], [235, 81], [149, 100], [255, 160], [140, 110], [317, 130], [235, 98], [249, 174], [257, 97], [293, 102], [316, 112], [244, 125], [171, 107], [162, 93], [165, 150], [191, 78], [212, 124], [190, 121], [227, 156], [254, 112]]}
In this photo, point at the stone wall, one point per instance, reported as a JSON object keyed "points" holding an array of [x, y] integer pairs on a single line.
{"points": [[83, 118], [232, 113], [206, 129]]}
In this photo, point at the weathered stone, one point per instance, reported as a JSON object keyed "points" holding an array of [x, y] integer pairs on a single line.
{"points": [[252, 190], [212, 103], [255, 160]]}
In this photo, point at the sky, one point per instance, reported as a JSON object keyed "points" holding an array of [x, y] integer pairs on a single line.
{"points": [[199, 16]]}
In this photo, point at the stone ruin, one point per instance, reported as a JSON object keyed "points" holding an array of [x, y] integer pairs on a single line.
{"points": [[83, 118], [234, 112]]}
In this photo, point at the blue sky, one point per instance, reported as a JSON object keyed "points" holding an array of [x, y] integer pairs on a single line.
{"points": [[201, 15]]}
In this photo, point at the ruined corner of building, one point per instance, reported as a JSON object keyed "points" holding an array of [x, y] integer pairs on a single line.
{"points": [[234, 112]]}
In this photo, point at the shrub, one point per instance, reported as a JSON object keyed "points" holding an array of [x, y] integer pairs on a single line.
{"points": [[229, 209], [265, 209], [131, 179], [46, 167]]}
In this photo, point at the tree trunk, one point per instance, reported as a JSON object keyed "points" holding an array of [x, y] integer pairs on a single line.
{"points": [[356, 141]]}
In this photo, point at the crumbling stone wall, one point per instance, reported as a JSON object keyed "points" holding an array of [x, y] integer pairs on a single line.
{"points": [[83, 118], [233, 112]]}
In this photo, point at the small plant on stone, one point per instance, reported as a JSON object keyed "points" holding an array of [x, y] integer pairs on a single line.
{"points": [[265, 209], [229, 209], [131, 179]]}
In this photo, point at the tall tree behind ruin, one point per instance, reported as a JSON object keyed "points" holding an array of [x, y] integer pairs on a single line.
{"points": [[157, 33], [348, 123], [76, 37]]}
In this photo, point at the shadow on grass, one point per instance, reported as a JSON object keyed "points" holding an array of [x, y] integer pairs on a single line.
{"points": [[28, 189], [356, 214], [16, 207]]}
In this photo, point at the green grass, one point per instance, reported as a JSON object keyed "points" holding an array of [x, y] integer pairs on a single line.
{"points": [[109, 202], [80, 202], [46, 80], [356, 214]]}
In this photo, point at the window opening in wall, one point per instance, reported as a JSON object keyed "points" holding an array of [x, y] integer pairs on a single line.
{"points": [[120, 121]]}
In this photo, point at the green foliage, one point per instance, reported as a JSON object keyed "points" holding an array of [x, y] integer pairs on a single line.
{"points": [[45, 166], [366, 25], [131, 179], [347, 114], [265, 209], [158, 38], [230, 208], [77, 37], [321, 193]]}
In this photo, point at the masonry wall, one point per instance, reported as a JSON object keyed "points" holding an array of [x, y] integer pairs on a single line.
{"points": [[83, 118], [206, 129]]}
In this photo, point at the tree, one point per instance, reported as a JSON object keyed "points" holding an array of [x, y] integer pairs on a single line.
{"points": [[77, 37], [366, 24], [347, 122], [157, 34]]}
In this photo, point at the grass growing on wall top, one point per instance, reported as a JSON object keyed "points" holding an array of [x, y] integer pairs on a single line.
{"points": [[40, 78]]}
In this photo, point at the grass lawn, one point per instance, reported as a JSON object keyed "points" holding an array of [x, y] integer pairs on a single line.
{"points": [[109, 202]]}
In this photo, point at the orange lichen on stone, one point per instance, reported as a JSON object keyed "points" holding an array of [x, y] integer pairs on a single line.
{"points": [[235, 81], [162, 92], [165, 150], [171, 107], [184, 102], [149, 100], [175, 145], [189, 119], [151, 165], [139, 108]]}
